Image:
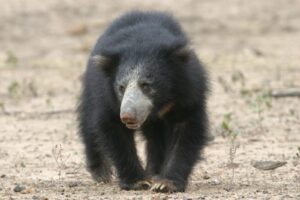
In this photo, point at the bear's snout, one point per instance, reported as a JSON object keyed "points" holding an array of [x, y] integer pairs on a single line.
{"points": [[129, 120], [135, 106]]}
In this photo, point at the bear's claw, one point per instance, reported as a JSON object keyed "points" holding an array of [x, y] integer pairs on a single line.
{"points": [[164, 186]]}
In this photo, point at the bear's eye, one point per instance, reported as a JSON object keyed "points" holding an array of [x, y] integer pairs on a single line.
{"points": [[145, 87], [122, 89]]}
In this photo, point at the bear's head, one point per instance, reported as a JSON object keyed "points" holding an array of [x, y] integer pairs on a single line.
{"points": [[146, 83]]}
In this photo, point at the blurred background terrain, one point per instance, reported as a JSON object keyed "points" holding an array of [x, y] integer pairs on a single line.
{"points": [[251, 49]]}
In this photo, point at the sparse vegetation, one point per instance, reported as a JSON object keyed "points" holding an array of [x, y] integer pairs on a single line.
{"points": [[296, 160], [2, 107], [13, 89], [24, 88], [11, 59], [59, 160], [230, 132], [238, 77], [259, 101]]}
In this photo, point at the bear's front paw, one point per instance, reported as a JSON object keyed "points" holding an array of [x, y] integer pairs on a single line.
{"points": [[139, 185], [101, 174], [164, 186]]}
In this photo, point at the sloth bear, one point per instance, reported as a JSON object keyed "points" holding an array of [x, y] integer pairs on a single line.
{"points": [[143, 76]]}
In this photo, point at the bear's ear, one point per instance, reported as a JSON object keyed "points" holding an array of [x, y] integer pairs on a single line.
{"points": [[182, 54], [105, 63]]}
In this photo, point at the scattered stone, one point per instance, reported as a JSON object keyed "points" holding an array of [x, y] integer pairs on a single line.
{"points": [[206, 175], [254, 140], [257, 52], [73, 184], [23, 189], [19, 187], [39, 198], [228, 188], [267, 165], [295, 163], [3, 176], [22, 164], [215, 181]]}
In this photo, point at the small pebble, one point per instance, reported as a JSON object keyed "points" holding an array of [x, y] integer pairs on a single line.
{"points": [[73, 184], [215, 181], [39, 198], [206, 176], [19, 187]]}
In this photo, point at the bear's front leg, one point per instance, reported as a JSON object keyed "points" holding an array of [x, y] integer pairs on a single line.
{"points": [[155, 147], [118, 144], [186, 140]]}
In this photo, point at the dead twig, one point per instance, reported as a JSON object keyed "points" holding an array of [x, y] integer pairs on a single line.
{"points": [[24, 114], [285, 93]]}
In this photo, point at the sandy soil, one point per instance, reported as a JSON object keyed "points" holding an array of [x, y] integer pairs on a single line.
{"points": [[249, 47]]}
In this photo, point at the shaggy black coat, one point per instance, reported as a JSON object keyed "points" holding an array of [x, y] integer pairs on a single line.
{"points": [[175, 131]]}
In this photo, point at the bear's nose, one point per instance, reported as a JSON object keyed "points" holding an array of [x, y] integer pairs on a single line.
{"points": [[128, 118]]}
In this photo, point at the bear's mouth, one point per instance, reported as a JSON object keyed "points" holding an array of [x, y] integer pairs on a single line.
{"points": [[132, 125]]}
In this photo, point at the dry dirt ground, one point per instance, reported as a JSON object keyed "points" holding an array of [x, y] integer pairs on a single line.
{"points": [[250, 48]]}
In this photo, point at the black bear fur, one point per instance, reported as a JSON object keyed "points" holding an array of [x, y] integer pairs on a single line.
{"points": [[175, 130]]}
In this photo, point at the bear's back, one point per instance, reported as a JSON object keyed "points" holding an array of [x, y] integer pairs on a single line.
{"points": [[138, 18], [144, 30]]}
